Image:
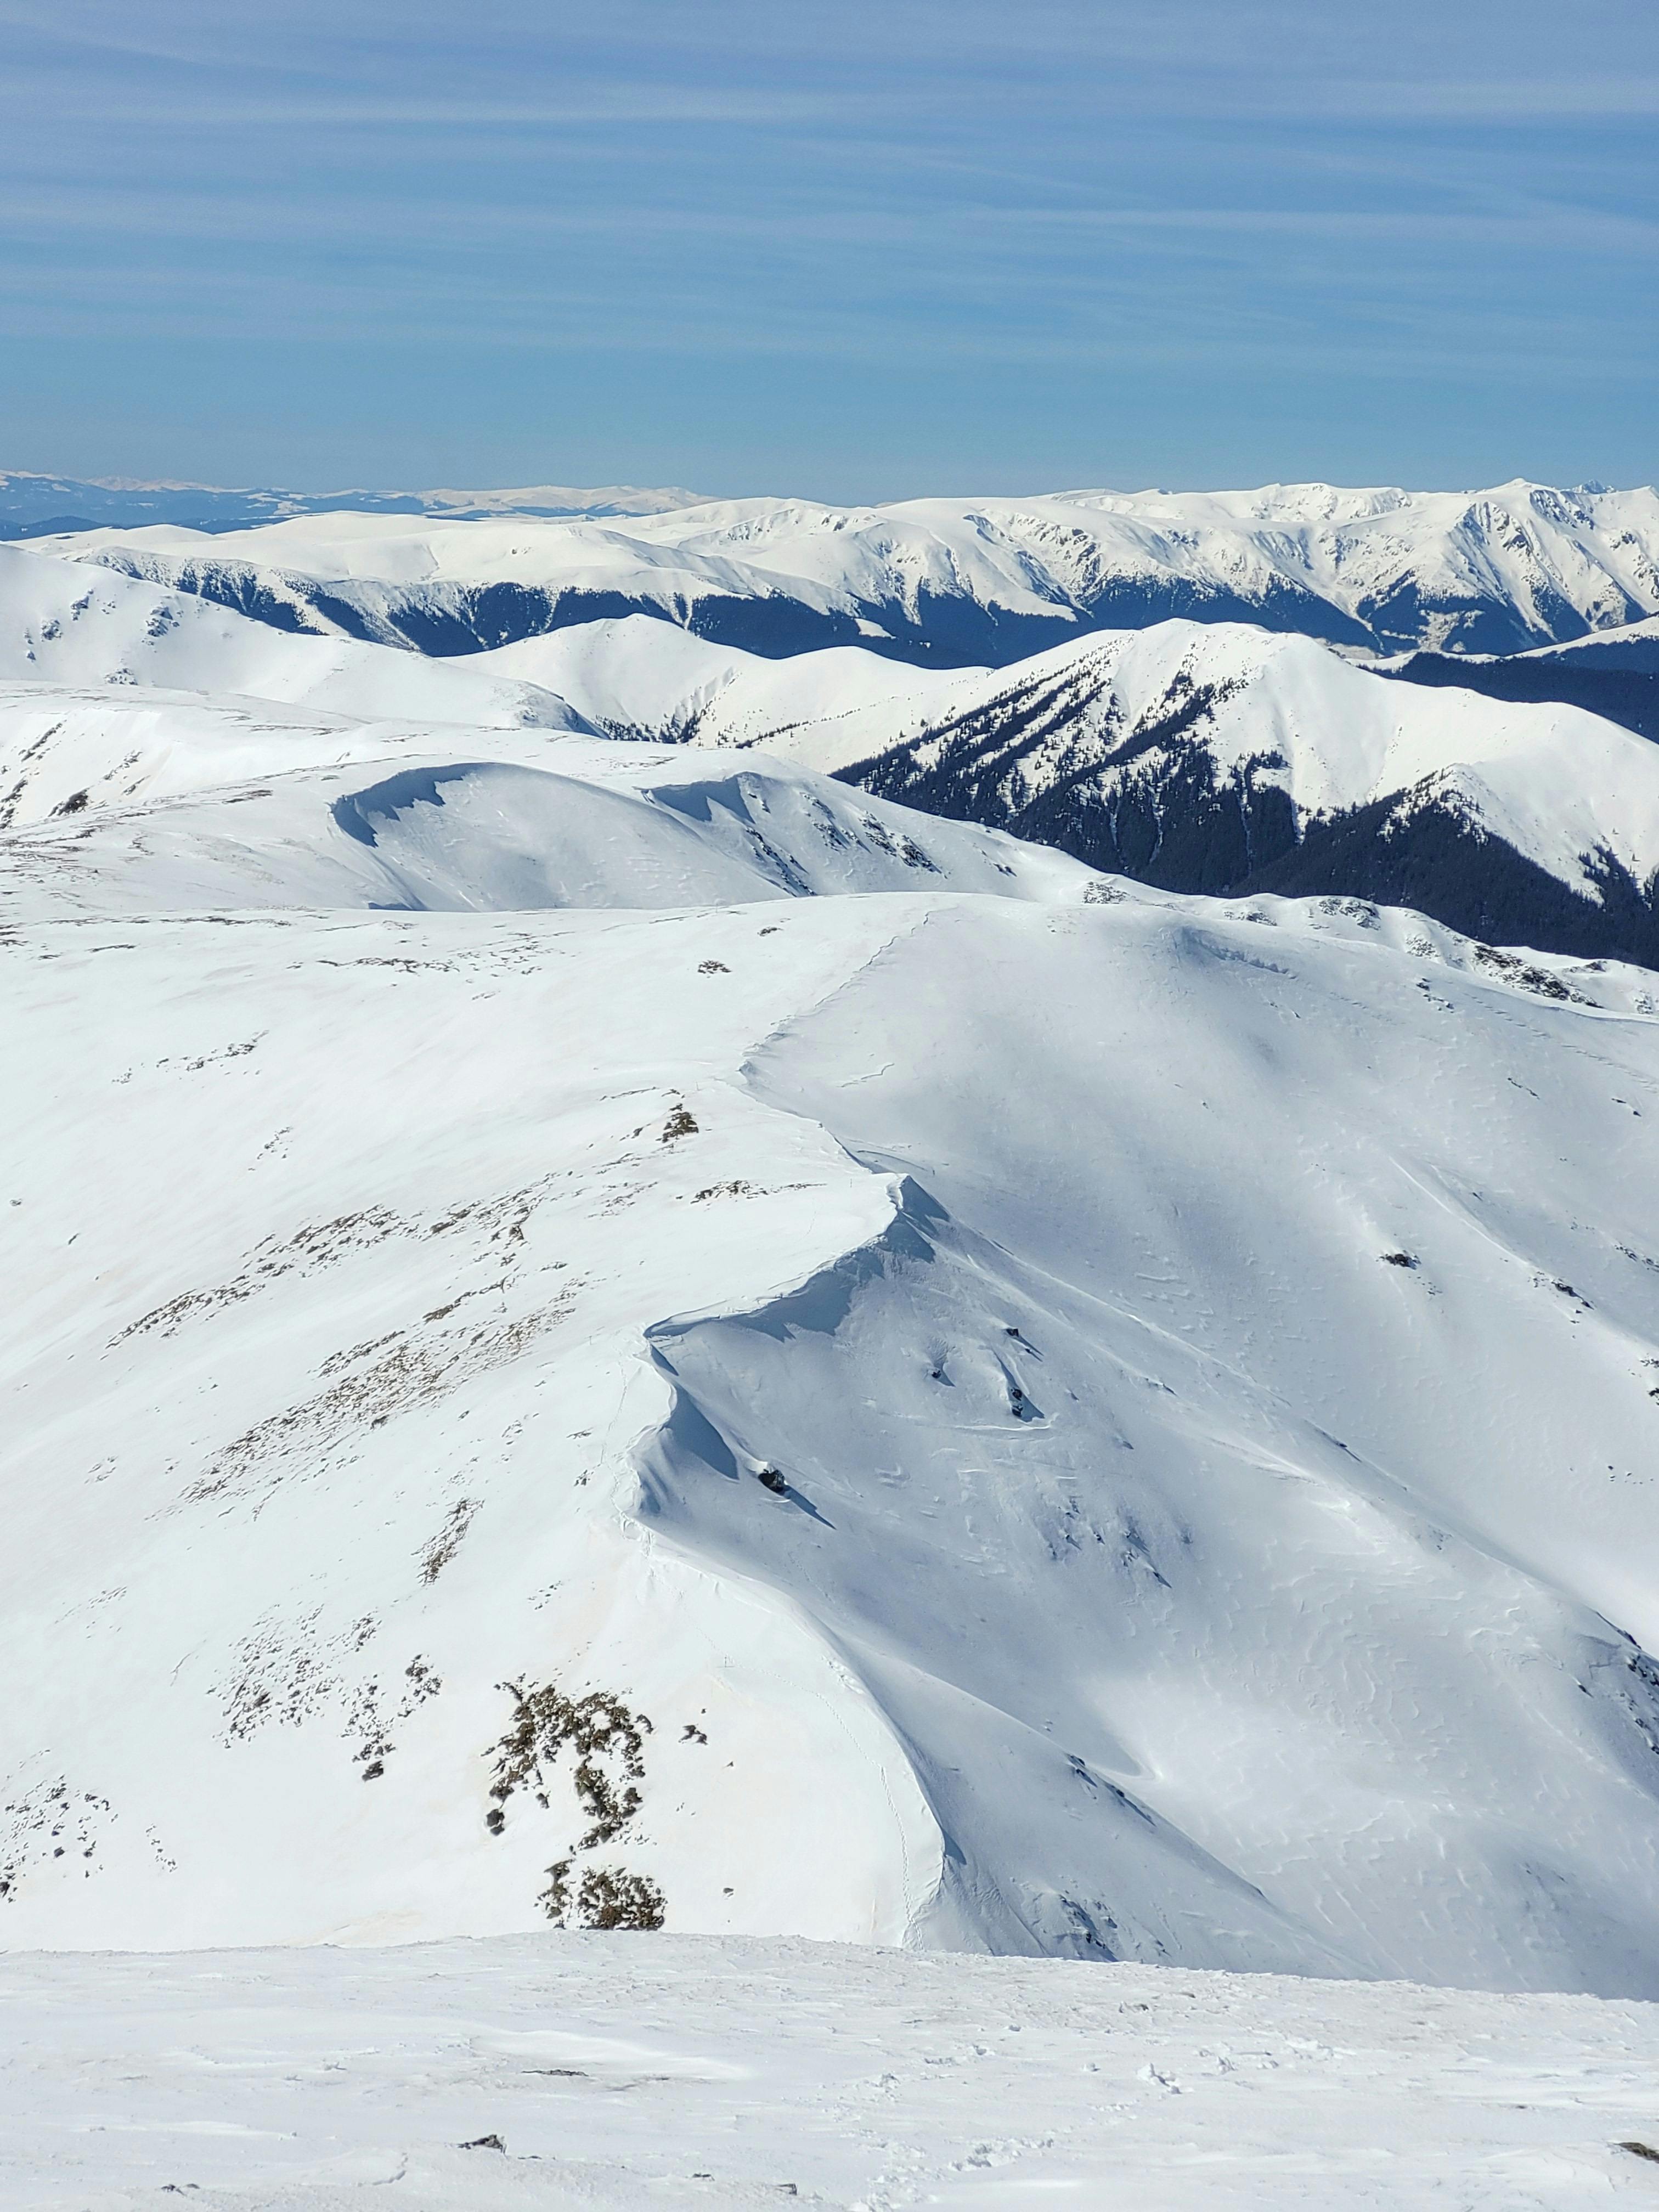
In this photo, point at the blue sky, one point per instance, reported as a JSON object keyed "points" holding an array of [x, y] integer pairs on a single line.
{"points": [[851, 250]]}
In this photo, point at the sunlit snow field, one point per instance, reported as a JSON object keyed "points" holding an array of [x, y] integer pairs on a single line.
{"points": [[622, 2072]]}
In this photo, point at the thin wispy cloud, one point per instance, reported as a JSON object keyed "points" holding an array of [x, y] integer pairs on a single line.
{"points": [[1277, 197]]}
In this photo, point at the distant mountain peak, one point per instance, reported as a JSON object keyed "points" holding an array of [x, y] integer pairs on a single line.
{"points": [[31, 502]]}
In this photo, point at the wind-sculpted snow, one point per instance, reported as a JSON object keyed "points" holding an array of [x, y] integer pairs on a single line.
{"points": [[734, 1397], [1098, 1376], [953, 582], [570, 823], [612, 2074], [755, 1359]]}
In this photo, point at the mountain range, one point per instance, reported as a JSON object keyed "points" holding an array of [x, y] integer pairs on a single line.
{"points": [[1001, 1409], [35, 506], [819, 1294], [1215, 757], [947, 581]]}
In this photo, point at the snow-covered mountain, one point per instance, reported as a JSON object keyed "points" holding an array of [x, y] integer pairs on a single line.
{"points": [[1217, 758], [1209, 757], [635, 678], [34, 506], [62, 624], [953, 582], [1615, 673], [619, 1332]]}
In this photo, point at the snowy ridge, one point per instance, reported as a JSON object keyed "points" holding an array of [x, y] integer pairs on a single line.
{"points": [[1615, 673], [635, 678], [1161, 1880], [1086, 1420], [1200, 756], [549, 823], [953, 582], [60, 627], [1103, 718], [1632, 648]]}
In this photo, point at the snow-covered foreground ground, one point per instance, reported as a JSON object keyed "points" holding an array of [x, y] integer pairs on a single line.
{"points": [[621, 2072]]}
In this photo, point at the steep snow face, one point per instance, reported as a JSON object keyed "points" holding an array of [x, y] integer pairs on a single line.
{"points": [[473, 2076], [1013, 1412], [954, 581], [1260, 713], [61, 625]]}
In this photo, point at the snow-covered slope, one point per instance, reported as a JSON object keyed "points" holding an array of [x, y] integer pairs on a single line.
{"points": [[953, 582], [561, 824], [62, 752], [613, 2075], [1206, 758], [1083, 1420], [635, 678], [60, 624], [1632, 649], [1613, 673], [632, 676]]}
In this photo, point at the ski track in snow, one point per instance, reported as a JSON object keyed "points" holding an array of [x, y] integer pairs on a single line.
{"points": [[622, 2073]]}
